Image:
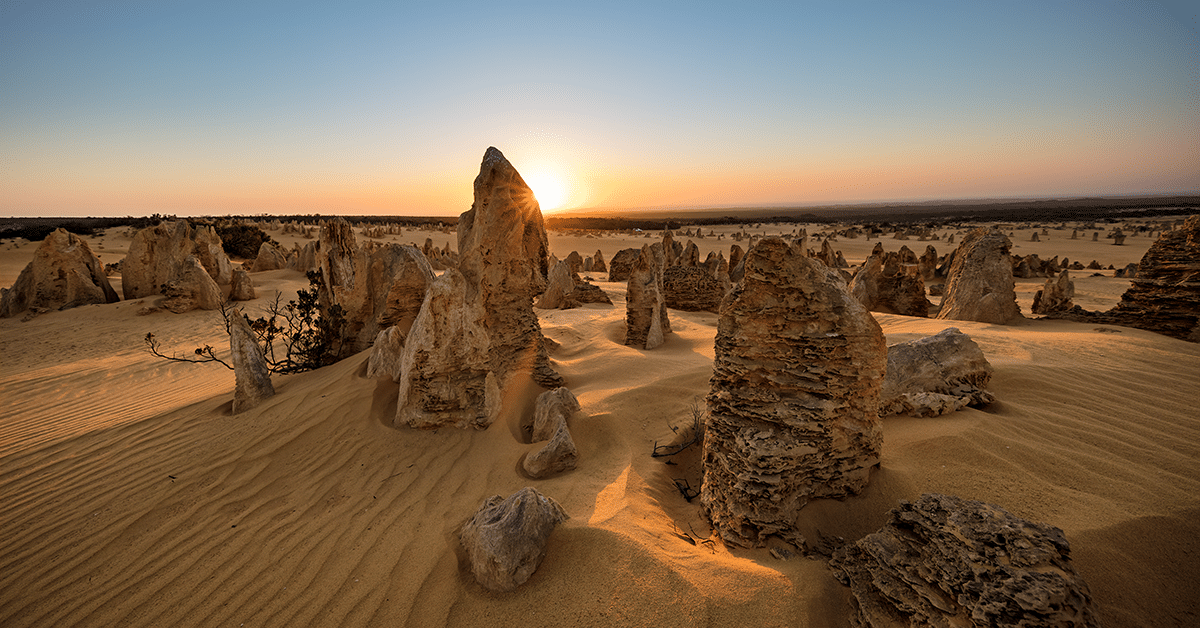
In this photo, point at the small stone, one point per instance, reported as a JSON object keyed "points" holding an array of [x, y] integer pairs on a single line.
{"points": [[506, 539]]}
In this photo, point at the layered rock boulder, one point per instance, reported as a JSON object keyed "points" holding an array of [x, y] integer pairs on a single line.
{"points": [[793, 410], [935, 375], [506, 539], [251, 374], [242, 287], [386, 354], [556, 456], [558, 289], [893, 289], [375, 287], [646, 320], [598, 265], [270, 257], [622, 263], [1165, 295], [691, 289], [64, 273], [946, 561], [157, 254], [979, 283], [504, 257], [445, 367], [191, 289], [1056, 295]]}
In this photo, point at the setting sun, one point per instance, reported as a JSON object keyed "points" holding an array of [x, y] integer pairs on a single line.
{"points": [[549, 187]]}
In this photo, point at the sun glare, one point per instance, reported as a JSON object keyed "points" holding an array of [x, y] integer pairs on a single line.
{"points": [[549, 187]]}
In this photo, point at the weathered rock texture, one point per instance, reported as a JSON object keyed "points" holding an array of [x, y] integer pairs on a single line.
{"points": [[1165, 296], [691, 289], [503, 256], [979, 284], [793, 411], [646, 322], [251, 374], [242, 287], [157, 254], [375, 287], [1056, 295], [191, 289], [598, 265], [270, 257], [506, 539], [445, 374], [64, 273], [935, 375], [946, 561], [559, 287], [622, 263], [386, 354], [551, 406], [556, 456], [894, 289]]}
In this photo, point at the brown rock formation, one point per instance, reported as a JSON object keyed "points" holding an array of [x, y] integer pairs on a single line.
{"points": [[935, 375], [551, 406], [646, 322], [270, 257], [445, 368], [387, 353], [691, 289], [242, 287], [598, 265], [503, 256], [506, 539], [979, 284], [793, 411], [946, 561], [1056, 295], [64, 273], [621, 263], [557, 455], [558, 289], [251, 374], [894, 289], [191, 289], [157, 253]]}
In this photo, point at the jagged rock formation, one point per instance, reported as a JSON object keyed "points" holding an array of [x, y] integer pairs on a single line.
{"points": [[1129, 272], [375, 287], [894, 289], [1165, 296], [646, 321], [506, 539], [793, 411], [157, 254], [1056, 295], [303, 258], [64, 273], [935, 375], [691, 289], [445, 367], [690, 256], [504, 257], [241, 288], [387, 353], [928, 263], [551, 406], [622, 263], [191, 289], [251, 374], [558, 289], [575, 261], [556, 456], [270, 257], [979, 284], [598, 265], [946, 561]]}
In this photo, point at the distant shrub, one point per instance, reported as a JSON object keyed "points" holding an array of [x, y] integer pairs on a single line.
{"points": [[241, 240]]}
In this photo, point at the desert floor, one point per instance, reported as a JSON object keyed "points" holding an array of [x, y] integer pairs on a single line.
{"points": [[130, 496]]}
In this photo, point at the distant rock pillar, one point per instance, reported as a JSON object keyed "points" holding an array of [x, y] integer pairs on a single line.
{"points": [[793, 410], [250, 370]]}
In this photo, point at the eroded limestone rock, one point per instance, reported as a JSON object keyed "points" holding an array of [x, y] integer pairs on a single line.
{"points": [[946, 561], [270, 257], [793, 411], [556, 456], [622, 263], [691, 289], [64, 273], [1056, 295], [157, 253], [506, 539], [191, 289], [646, 322], [551, 406], [979, 284], [251, 374], [504, 257], [387, 353], [242, 287], [445, 374], [935, 375]]}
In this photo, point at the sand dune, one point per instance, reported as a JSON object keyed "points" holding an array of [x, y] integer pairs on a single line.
{"points": [[130, 496]]}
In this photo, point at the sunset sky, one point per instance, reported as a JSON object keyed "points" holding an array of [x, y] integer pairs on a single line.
{"points": [[213, 107]]}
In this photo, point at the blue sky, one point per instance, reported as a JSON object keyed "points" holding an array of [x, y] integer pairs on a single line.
{"points": [[247, 107]]}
